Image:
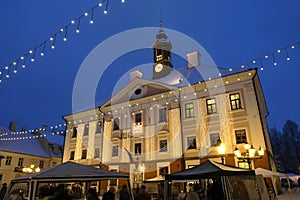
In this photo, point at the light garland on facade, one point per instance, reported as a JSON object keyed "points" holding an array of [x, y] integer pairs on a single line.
{"points": [[50, 44]]}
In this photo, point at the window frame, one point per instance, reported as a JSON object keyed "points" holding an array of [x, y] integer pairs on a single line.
{"points": [[97, 152], [188, 145], [165, 118], [135, 148], [20, 162], [236, 101], [189, 112], [211, 108], [115, 151], [99, 126], [164, 148], [86, 130], [241, 133], [84, 154], [8, 160], [74, 132], [72, 155], [116, 124]]}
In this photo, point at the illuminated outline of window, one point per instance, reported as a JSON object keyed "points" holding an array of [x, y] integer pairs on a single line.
{"points": [[211, 106], [189, 110], [240, 136], [235, 101]]}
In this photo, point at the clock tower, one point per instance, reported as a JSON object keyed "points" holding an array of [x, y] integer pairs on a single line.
{"points": [[162, 55]]}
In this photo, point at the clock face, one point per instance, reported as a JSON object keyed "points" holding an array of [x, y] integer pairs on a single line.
{"points": [[159, 67]]}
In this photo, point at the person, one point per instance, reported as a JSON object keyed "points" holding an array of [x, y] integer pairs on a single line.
{"points": [[192, 195], [3, 191], [92, 194], [124, 194], [110, 194], [143, 195]]}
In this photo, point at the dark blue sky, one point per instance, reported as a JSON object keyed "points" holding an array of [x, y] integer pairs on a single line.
{"points": [[232, 32]]}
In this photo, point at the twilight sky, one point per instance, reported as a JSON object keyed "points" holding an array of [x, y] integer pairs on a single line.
{"points": [[232, 32]]}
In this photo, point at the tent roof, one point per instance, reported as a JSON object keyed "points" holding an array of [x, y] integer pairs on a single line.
{"points": [[268, 173], [209, 169], [71, 171], [159, 178]]}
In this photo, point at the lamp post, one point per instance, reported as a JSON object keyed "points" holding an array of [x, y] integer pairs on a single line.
{"points": [[250, 154], [221, 149]]}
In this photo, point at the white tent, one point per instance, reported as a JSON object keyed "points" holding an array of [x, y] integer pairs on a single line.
{"points": [[272, 175]]}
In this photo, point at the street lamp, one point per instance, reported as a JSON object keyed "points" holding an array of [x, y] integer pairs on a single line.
{"points": [[221, 149], [250, 154], [31, 169]]}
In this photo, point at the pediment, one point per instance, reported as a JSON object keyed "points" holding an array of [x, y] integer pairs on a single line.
{"points": [[138, 88]]}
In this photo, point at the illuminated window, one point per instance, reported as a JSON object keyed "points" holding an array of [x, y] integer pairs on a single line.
{"points": [[20, 162], [163, 146], [162, 115], [84, 154], [159, 58], [8, 160], [116, 124], [214, 137], [211, 106], [189, 110], [72, 155], [242, 164], [240, 136], [115, 151], [191, 142], [138, 148], [235, 101]]}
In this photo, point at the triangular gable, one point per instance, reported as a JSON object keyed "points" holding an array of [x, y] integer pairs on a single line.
{"points": [[138, 88]]}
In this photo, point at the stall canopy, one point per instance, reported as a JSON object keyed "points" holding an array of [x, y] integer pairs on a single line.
{"points": [[209, 169], [268, 173], [72, 171], [157, 179]]}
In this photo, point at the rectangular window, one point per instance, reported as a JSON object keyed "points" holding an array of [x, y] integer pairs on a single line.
{"points": [[138, 118], [84, 154], [86, 130], [138, 148], [235, 101], [163, 146], [72, 155], [97, 153], [74, 132], [191, 142], [211, 106], [41, 165], [20, 162], [115, 151], [240, 136], [99, 127], [243, 164], [54, 164], [8, 160], [163, 171], [214, 137], [189, 110], [162, 115], [116, 124]]}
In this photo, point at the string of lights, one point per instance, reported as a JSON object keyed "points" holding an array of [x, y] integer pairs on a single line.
{"points": [[51, 43]]}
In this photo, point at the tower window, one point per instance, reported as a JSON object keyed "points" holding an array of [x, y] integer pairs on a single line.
{"points": [[189, 110], [163, 146], [240, 136]]}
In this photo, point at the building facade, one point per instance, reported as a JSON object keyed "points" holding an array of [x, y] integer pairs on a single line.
{"points": [[173, 121], [25, 153]]}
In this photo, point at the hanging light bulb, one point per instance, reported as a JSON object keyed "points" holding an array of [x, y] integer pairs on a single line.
{"points": [[123, 1], [30, 51], [32, 59], [23, 66], [92, 17], [77, 29], [86, 14], [14, 63], [266, 56], [6, 67], [51, 38], [278, 51], [72, 22], [105, 11], [293, 46], [22, 57], [65, 39], [91, 21], [15, 71], [61, 30], [52, 46], [7, 75], [100, 4], [42, 53]]}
